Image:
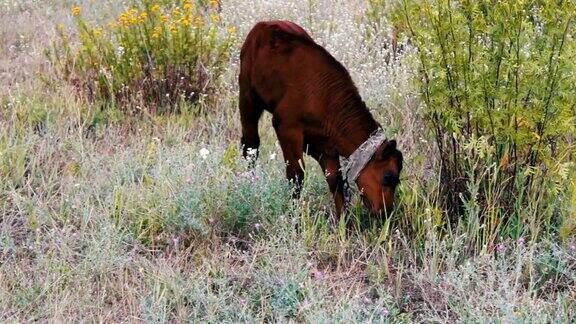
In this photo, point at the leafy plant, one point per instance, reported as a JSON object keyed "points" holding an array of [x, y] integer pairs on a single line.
{"points": [[497, 79], [154, 55]]}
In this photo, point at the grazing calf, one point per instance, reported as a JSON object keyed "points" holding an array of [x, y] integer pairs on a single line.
{"points": [[316, 109]]}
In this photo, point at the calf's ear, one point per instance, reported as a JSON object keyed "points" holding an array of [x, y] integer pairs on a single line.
{"points": [[385, 149]]}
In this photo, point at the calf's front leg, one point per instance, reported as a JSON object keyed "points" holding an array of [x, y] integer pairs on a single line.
{"points": [[292, 141]]}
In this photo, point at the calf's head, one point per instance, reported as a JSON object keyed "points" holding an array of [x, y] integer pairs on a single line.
{"points": [[379, 178]]}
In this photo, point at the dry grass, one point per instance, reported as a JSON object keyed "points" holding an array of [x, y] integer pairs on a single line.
{"points": [[110, 218]]}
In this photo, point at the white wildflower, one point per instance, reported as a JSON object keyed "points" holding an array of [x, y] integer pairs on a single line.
{"points": [[252, 151], [204, 153]]}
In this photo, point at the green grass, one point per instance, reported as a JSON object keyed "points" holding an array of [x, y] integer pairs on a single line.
{"points": [[107, 217]]}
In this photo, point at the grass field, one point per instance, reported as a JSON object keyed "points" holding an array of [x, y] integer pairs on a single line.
{"points": [[156, 218]]}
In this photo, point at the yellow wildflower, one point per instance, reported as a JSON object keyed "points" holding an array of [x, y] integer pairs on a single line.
{"points": [[156, 32], [232, 30], [215, 3], [522, 122], [155, 8], [123, 19], [97, 32], [199, 21], [173, 28], [143, 17], [75, 11], [188, 6], [61, 26], [176, 12], [164, 18], [186, 21], [215, 17]]}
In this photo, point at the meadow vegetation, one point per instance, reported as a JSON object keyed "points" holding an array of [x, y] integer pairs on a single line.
{"points": [[123, 196]]}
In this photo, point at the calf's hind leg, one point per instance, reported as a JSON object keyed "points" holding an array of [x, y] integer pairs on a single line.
{"points": [[250, 112]]}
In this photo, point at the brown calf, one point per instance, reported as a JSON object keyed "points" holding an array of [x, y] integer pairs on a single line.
{"points": [[316, 109]]}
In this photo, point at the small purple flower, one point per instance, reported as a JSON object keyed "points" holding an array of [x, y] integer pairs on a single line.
{"points": [[521, 241], [501, 248], [543, 167], [385, 312]]}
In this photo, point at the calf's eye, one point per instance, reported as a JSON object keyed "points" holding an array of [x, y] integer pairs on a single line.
{"points": [[389, 180]]}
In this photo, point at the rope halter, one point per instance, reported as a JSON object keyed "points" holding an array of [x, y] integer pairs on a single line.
{"points": [[358, 160]]}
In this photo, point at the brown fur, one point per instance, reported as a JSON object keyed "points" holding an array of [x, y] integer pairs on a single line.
{"points": [[316, 109]]}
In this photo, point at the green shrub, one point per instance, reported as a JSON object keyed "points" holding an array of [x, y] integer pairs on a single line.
{"points": [[251, 207], [156, 54], [286, 298], [498, 83]]}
